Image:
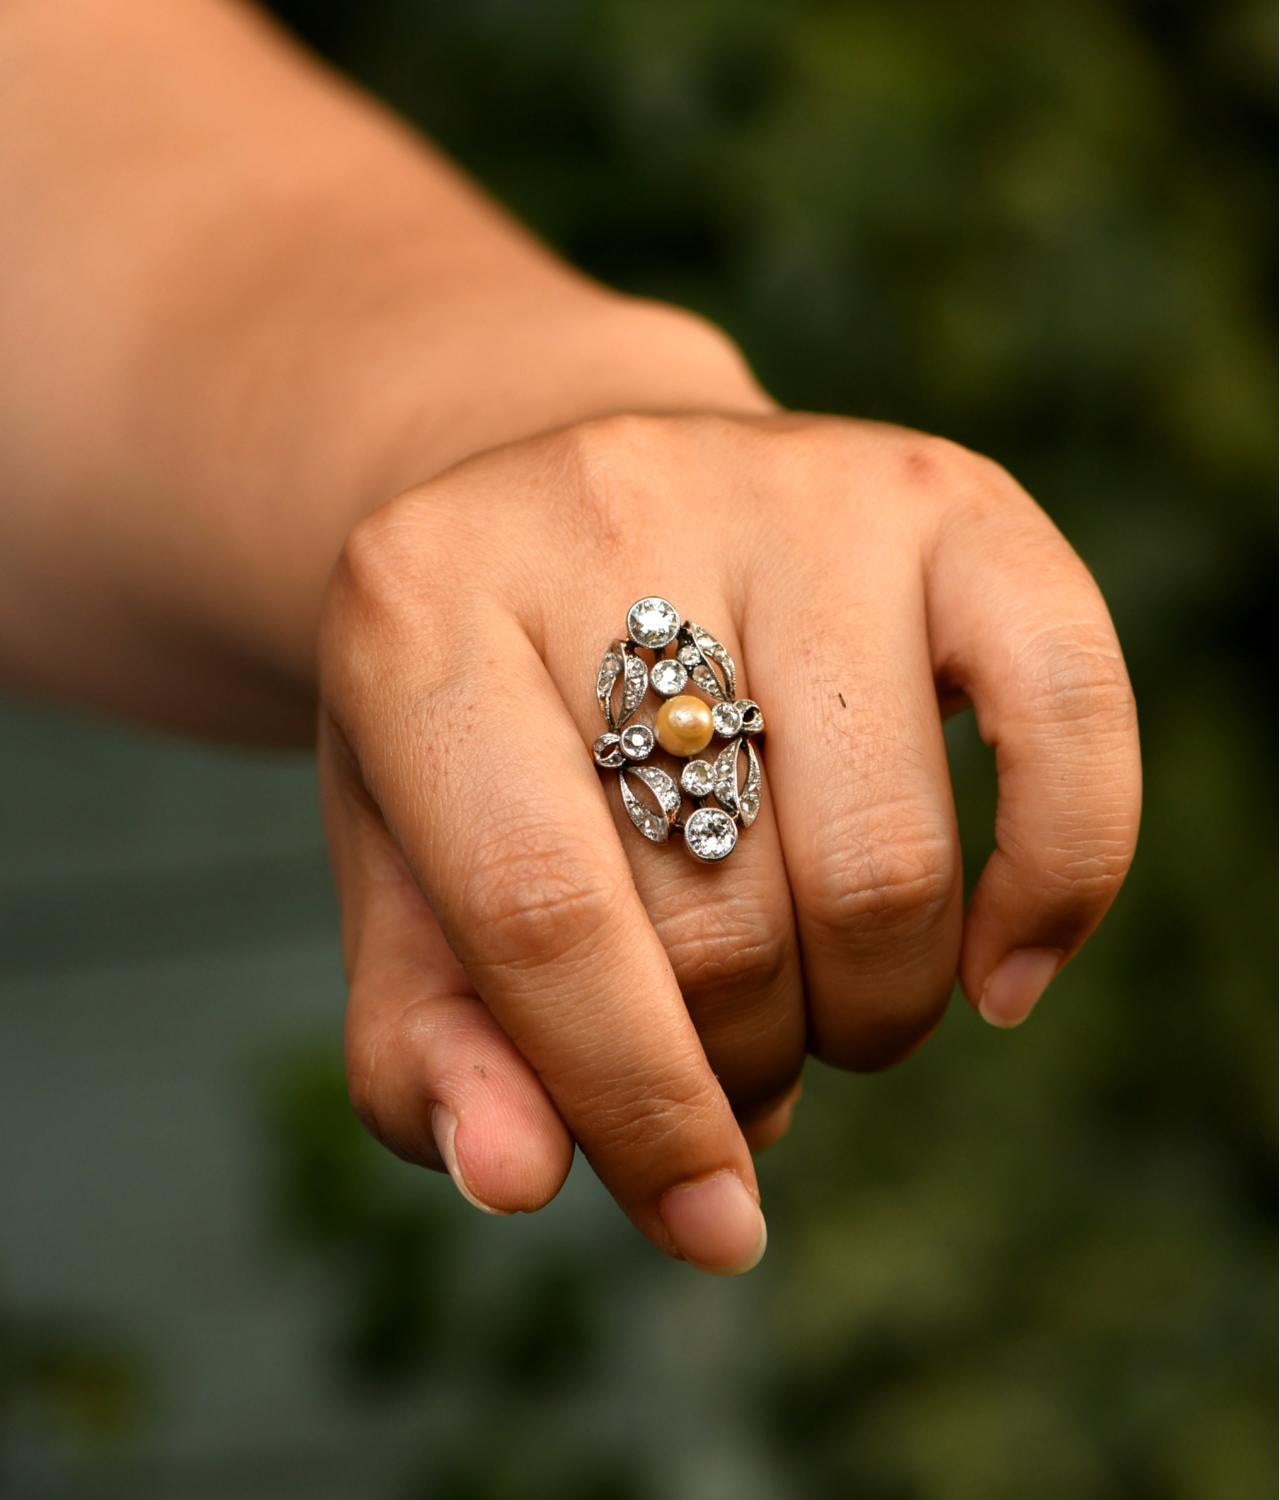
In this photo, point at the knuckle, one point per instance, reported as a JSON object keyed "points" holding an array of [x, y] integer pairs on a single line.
{"points": [[1077, 677], [367, 601], [376, 566], [602, 448], [603, 467], [652, 1118], [396, 569], [1089, 875], [942, 470], [727, 959], [535, 904], [872, 884]]}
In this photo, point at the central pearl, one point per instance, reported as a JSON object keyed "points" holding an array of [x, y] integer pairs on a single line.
{"points": [[683, 725]]}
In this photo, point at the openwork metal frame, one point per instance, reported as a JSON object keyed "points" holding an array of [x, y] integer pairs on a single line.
{"points": [[723, 781]]}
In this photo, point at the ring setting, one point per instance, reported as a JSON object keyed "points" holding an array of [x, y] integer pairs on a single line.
{"points": [[687, 661]]}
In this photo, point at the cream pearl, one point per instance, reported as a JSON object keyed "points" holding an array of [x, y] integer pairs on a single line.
{"points": [[683, 725]]}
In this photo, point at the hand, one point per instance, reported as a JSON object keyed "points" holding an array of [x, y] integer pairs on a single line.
{"points": [[525, 970]]}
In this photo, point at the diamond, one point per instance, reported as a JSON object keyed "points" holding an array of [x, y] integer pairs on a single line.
{"points": [[710, 834], [727, 718], [668, 676], [636, 741], [689, 655], [652, 622], [698, 777]]}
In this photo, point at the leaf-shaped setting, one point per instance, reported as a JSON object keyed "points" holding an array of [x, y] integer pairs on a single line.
{"points": [[620, 662], [635, 684], [716, 674], [749, 794], [607, 751], [707, 680], [725, 771], [744, 798], [654, 825], [610, 671]]}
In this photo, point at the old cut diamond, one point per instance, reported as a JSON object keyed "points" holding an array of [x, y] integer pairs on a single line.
{"points": [[710, 834], [652, 622], [636, 741], [727, 718], [668, 676], [697, 778]]}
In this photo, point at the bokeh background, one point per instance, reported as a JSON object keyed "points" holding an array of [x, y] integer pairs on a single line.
{"points": [[1037, 1264]]}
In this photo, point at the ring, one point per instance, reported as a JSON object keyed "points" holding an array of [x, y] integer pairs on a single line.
{"points": [[684, 726]]}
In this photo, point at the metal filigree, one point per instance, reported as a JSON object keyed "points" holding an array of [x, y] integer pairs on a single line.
{"points": [[722, 779]]}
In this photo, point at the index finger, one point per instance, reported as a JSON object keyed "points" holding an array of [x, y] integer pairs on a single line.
{"points": [[488, 789]]}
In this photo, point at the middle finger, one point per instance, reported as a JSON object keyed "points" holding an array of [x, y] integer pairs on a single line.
{"points": [[863, 794]]}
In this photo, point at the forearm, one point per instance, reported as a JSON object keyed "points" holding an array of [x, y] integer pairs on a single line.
{"points": [[239, 307]]}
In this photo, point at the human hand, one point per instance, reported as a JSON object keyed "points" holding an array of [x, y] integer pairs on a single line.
{"points": [[526, 972]]}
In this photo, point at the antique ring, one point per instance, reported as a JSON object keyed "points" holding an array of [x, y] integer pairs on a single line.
{"points": [[684, 726]]}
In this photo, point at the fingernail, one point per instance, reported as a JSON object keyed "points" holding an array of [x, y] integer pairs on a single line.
{"points": [[715, 1224], [1015, 984], [444, 1127]]}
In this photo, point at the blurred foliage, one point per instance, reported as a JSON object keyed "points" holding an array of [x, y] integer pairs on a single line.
{"points": [[1038, 1264]]}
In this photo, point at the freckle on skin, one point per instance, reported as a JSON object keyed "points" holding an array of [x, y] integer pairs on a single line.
{"points": [[480, 1068], [918, 464], [843, 704]]}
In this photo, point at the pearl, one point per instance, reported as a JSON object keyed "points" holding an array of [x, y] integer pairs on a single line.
{"points": [[683, 725]]}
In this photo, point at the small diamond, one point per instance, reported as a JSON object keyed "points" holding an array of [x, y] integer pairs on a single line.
{"points": [[710, 834], [689, 655], [727, 718], [652, 622], [636, 741], [697, 778], [668, 676]]}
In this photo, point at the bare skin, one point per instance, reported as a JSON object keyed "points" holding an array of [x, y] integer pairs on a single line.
{"points": [[293, 420]]}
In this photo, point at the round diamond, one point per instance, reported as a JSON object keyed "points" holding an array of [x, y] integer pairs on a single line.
{"points": [[636, 741], [652, 622], [727, 718], [689, 655], [698, 778], [668, 676], [710, 834]]}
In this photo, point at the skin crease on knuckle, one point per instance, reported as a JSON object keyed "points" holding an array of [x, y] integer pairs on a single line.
{"points": [[394, 563], [650, 1122], [731, 968], [533, 904], [888, 903]]}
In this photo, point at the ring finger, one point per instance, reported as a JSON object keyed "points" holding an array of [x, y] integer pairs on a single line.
{"points": [[728, 929]]}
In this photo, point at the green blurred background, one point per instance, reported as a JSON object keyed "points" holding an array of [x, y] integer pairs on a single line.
{"points": [[1028, 1265]]}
